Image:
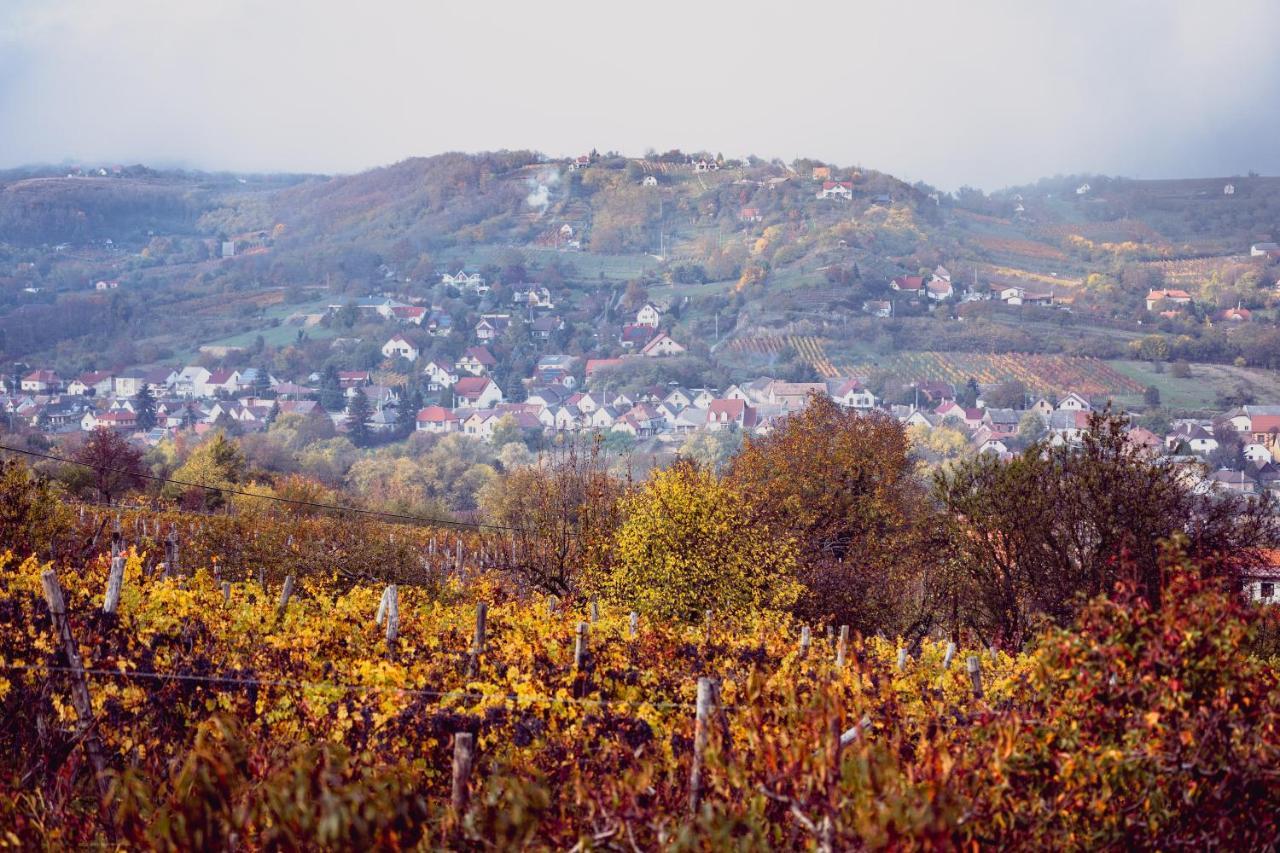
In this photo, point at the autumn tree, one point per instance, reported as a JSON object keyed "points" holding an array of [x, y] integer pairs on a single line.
{"points": [[216, 464], [841, 486], [687, 544], [1037, 536], [561, 513], [112, 466]]}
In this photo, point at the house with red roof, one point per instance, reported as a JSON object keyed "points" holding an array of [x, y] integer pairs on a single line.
{"points": [[476, 392], [1172, 296], [414, 314], [837, 190], [660, 345], [400, 347], [41, 382], [594, 365], [730, 414], [436, 419], [477, 361], [911, 284]]}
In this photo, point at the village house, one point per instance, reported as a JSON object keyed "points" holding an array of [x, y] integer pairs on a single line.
{"points": [[750, 214], [878, 307], [476, 392], [1174, 297], [545, 326], [849, 394], [400, 347], [649, 181], [649, 315], [40, 382], [477, 361], [414, 314], [730, 414], [97, 383], [532, 296], [439, 376], [491, 326], [1075, 403], [1197, 438], [837, 190], [436, 419], [660, 345], [464, 280], [909, 284], [118, 421]]}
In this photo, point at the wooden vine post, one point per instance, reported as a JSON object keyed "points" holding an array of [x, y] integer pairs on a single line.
{"points": [[842, 646], [580, 647], [478, 640], [701, 735], [463, 760], [115, 579], [286, 593], [974, 665], [805, 639], [80, 699], [633, 623]]}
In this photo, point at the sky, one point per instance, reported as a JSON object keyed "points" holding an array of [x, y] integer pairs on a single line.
{"points": [[982, 93]]}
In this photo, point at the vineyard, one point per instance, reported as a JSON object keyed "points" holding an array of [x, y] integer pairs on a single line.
{"points": [[1041, 374], [281, 673], [316, 713]]}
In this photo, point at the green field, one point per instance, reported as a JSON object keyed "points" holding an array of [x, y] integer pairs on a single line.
{"points": [[1199, 392]]}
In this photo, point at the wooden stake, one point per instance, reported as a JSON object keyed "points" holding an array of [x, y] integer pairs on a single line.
{"points": [[949, 656], [595, 611], [580, 646], [633, 623], [478, 640], [842, 645], [114, 580], [974, 665], [226, 592], [382, 606], [902, 658], [79, 687], [393, 616], [286, 593], [805, 640], [701, 734], [463, 759]]}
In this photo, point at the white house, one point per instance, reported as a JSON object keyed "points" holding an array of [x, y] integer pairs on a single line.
{"points": [[400, 347], [439, 376], [476, 392], [649, 181], [649, 315], [660, 345], [1073, 402], [837, 190]]}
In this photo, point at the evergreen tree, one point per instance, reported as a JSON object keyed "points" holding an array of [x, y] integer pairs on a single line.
{"points": [[330, 389], [144, 408], [358, 413], [407, 414]]}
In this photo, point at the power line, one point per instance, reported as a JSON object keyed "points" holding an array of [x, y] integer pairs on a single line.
{"points": [[440, 695], [420, 519]]}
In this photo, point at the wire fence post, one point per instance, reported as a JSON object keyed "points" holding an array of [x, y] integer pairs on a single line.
{"points": [[478, 640], [463, 760], [701, 734], [974, 665], [114, 581], [80, 699]]}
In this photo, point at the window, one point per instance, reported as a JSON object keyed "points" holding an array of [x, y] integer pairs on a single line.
{"points": [[1266, 589]]}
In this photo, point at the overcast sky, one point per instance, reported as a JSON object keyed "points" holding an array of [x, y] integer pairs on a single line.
{"points": [[978, 92]]}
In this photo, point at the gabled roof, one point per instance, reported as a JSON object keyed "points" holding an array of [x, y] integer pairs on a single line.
{"points": [[481, 355], [435, 414]]}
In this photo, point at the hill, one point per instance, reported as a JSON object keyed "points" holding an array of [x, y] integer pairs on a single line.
{"points": [[742, 249]]}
